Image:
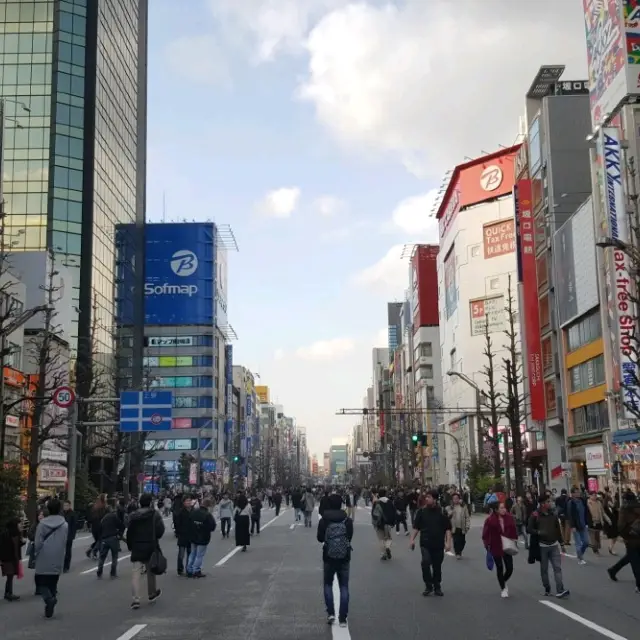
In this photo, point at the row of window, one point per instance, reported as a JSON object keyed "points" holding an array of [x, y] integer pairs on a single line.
{"points": [[172, 361], [592, 417], [587, 374], [178, 382], [584, 331]]}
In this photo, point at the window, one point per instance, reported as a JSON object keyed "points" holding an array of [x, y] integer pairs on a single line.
{"points": [[587, 374], [547, 355], [544, 312], [590, 418], [494, 284], [425, 372], [431, 394], [584, 331], [424, 350], [535, 151], [550, 395], [541, 269], [475, 251]]}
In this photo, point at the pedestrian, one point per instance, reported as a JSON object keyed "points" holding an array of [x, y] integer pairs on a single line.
{"points": [[561, 509], [202, 525], [499, 537], [308, 505], [50, 546], [11, 543], [97, 512], [72, 523], [597, 520], [434, 528], [296, 503], [181, 525], [277, 501], [545, 525], [519, 513], [226, 514], [577, 515], [256, 514], [460, 524], [242, 518], [629, 529], [324, 502], [143, 533], [383, 517], [111, 530], [335, 533], [400, 505]]}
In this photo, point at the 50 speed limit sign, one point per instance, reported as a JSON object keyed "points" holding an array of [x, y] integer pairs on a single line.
{"points": [[64, 397]]}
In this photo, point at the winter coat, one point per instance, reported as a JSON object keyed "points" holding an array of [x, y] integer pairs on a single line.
{"points": [[181, 524], [242, 520], [333, 516], [201, 525], [492, 533], [111, 526], [50, 545], [141, 534], [226, 508], [97, 513], [10, 553], [72, 521], [308, 502], [629, 524]]}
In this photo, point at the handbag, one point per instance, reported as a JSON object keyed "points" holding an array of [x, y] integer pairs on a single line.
{"points": [[490, 561], [509, 546], [157, 561], [20, 574]]}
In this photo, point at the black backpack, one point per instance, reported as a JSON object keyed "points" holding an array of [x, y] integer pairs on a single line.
{"points": [[336, 541]]}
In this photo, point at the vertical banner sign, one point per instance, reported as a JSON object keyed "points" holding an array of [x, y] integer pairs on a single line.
{"points": [[533, 344], [228, 381], [622, 305]]}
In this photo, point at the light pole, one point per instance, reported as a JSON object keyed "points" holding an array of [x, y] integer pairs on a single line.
{"points": [[473, 385]]}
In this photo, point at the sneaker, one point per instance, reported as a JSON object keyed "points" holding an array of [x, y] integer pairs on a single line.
{"points": [[343, 623], [547, 592], [612, 575], [582, 562], [438, 592], [156, 595], [199, 574], [135, 605], [388, 552], [49, 607], [10, 597], [427, 591], [331, 619], [562, 594], [504, 593]]}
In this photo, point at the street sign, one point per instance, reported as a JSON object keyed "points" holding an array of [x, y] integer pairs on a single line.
{"points": [[64, 397], [146, 411]]}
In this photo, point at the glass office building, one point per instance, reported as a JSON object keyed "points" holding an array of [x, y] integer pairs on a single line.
{"points": [[73, 82]]}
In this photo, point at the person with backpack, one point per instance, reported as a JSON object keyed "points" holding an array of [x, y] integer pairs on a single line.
{"points": [[335, 532], [383, 517]]}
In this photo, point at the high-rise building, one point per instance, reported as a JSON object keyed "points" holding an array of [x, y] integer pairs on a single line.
{"points": [[73, 84], [394, 310]]}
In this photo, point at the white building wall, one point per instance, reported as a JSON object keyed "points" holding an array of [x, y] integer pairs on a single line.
{"points": [[475, 277]]}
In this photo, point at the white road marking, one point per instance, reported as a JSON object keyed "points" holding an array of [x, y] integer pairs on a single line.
{"points": [[569, 555], [106, 564], [338, 632], [293, 526], [236, 549], [583, 621], [134, 631]]}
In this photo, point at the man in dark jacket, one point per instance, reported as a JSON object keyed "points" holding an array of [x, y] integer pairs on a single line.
{"points": [[324, 503], [144, 531], [72, 522], [111, 530], [629, 529], [578, 517], [335, 532], [296, 503], [182, 527], [201, 525]]}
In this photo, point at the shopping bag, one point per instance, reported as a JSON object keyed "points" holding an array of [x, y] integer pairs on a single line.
{"points": [[490, 561], [20, 570]]}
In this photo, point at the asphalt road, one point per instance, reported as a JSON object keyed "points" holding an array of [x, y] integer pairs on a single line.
{"points": [[274, 591]]}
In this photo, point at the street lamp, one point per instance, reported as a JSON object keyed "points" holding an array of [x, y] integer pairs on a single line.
{"points": [[473, 385]]}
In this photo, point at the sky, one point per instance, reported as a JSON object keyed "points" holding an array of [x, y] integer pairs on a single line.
{"points": [[320, 131]]}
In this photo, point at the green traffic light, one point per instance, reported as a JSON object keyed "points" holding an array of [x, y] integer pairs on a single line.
{"points": [[414, 437]]}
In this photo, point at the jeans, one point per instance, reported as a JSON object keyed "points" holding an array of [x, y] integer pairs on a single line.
{"points": [[402, 518], [432, 567], [194, 564], [581, 539], [136, 579], [183, 553], [67, 555], [298, 514], [8, 586], [634, 560], [341, 570], [255, 524], [109, 545], [47, 586], [225, 525], [551, 554], [278, 504], [522, 531], [459, 542], [504, 569], [307, 518]]}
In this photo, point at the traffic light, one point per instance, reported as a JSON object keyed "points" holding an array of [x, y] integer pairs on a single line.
{"points": [[414, 438], [419, 439], [236, 458]]}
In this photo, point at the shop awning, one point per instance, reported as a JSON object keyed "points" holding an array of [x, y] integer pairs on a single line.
{"points": [[625, 435]]}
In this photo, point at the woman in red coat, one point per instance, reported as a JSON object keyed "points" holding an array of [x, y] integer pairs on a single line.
{"points": [[499, 524]]}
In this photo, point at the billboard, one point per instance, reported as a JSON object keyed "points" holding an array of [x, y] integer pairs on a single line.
{"points": [[228, 381], [621, 304], [499, 238], [425, 286], [613, 53], [221, 285], [450, 288], [479, 180], [263, 393], [180, 268], [532, 342], [485, 311]]}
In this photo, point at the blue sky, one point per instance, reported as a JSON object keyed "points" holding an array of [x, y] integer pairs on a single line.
{"points": [[347, 107]]}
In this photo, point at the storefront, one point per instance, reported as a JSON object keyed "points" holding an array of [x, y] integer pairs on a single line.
{"points": [[626, 449]]}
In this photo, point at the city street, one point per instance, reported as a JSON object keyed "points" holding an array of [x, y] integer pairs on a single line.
{"points": [[274, 591]]}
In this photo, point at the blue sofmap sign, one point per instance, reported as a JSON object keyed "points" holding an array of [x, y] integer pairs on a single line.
{"points": [[180, 268]]}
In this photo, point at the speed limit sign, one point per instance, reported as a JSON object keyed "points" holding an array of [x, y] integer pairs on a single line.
{"points": [[64, 397]]}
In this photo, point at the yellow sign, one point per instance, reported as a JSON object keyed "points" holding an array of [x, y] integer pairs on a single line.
{"points": [[263, 393]]}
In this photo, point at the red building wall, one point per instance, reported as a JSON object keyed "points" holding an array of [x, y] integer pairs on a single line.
{"points": [[425, 286]]}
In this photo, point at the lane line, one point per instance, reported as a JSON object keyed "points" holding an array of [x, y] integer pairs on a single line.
{"points": [[583, 621], [293, 526], [134, 631], [338, 632], [236, 549], [106, 564]]}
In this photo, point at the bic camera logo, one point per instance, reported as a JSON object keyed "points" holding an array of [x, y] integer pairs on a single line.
{"points": [[184, 263]]}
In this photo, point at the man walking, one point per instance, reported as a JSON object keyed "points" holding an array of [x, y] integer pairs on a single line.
{"points": [[111, 530], [335, 532], [383, 517], [144, 530], [50, 546], [72, 523], [435, 537], [577, 515], [182, 527], [308, 504], [460, 524], [202, 525]]}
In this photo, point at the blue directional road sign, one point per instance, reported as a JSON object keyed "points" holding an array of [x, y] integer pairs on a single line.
{"points": [[146, 411]]}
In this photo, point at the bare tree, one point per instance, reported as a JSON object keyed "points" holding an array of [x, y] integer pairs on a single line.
{"points": [[492, 398]]}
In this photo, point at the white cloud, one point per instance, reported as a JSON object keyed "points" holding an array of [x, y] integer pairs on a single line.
{"points": [[382, 339], [198, 59], [326, 350], [397, 79], [278, 354], [280, 203], [414, 216], [390, 275], [329, 206]]}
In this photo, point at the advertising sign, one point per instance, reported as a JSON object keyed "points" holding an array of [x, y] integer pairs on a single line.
{"points": [[221, 285], [450, 288], [499, 238], [565, 280], [262, 392], [532, 344], [228, 380], [168, 341], [621, 303], [594, 456], [180, 265], [485, 311]]}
